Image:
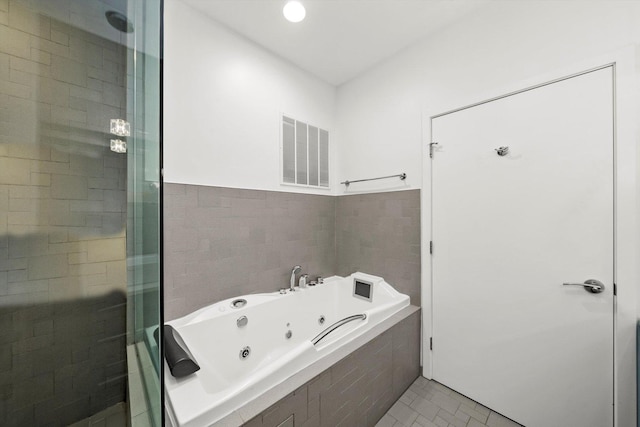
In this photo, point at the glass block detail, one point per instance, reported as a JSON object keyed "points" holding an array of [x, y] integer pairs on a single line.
{"points": [[120, 127], [118, 146]]}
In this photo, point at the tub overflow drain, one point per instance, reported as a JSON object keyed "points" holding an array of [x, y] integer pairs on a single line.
{"points": [[321, 319], [245, 352], [288, 334]]}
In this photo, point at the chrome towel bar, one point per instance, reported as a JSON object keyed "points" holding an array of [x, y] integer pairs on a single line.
{"points": [[336, 325], [402, 177]]}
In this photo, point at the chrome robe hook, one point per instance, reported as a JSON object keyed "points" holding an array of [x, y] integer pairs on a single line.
{"points": [[502, 151]]}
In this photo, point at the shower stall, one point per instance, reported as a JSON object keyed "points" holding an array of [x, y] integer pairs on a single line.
{"points": [[80, 212]]}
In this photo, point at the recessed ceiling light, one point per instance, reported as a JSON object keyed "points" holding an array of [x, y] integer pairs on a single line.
{"points": [[294, 11]]}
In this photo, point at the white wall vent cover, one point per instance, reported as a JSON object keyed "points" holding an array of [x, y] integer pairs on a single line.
{"points": [[305, 154]]}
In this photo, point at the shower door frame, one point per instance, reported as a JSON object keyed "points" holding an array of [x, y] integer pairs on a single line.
{"points": [[148, 15], [625, 230]]}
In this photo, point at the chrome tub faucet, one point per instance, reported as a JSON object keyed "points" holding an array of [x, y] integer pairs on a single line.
{"points": [[292, 283]]}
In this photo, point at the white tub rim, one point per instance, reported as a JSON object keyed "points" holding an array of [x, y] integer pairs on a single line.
{"points": [[274, 392]]}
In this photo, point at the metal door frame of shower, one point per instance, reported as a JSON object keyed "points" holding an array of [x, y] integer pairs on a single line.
{"points": [[141, 10], [161, 213], [624, 230]]}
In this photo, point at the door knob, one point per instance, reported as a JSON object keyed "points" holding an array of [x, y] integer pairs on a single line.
{"points": [[592, 285]]}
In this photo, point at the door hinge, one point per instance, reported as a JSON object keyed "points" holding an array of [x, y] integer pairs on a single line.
{"points": [[431, 149], [615, 289], [431, 247], [430, 343]]}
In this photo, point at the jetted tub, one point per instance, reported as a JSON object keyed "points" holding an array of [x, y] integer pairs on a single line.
{"points": [[244, 351]]}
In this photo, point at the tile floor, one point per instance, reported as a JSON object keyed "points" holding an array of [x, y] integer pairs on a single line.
{"points": [[430, 404]]}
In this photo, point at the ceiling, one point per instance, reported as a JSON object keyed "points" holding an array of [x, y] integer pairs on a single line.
{"points": [[338, 39]]}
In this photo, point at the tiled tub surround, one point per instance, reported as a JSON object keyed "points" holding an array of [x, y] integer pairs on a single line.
{"points": [[380, 233], [62, 217], [348, 391], [279, 330], [222, 242]]}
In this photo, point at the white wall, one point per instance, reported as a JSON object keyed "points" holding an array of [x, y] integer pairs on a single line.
{"points": [[379, 114], [223, 96], [383, 114]]}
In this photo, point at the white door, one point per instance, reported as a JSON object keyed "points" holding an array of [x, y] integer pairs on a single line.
{"points": [[508, 231]]}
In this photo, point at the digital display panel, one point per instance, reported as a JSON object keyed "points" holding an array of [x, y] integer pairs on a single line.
{"points": [[362, 289]]}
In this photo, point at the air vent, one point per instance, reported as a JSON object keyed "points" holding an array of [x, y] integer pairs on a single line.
{"points": [[305, 154]]}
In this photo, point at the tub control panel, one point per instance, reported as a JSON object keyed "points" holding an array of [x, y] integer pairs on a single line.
{"points": [[362, 289]]}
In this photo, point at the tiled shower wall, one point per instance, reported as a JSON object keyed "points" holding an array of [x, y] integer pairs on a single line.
{"points": [[62, 218], [224, 242]]}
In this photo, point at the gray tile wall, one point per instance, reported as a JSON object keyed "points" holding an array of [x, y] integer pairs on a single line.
{"points": [[379, 234], [224, 242], [359, 389], [62, 216]]}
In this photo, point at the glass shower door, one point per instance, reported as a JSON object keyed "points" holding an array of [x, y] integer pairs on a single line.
{"points": [[144, 237], [79, 212]]}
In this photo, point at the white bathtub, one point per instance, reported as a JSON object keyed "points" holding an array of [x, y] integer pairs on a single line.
{"points": [[279, 332]]}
